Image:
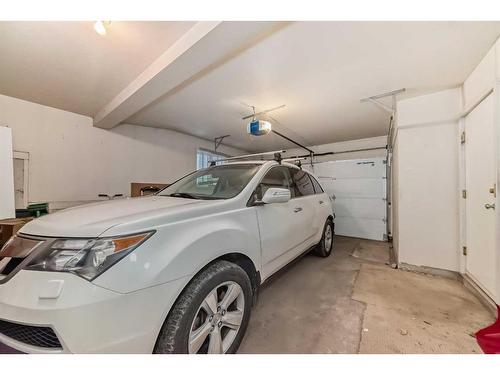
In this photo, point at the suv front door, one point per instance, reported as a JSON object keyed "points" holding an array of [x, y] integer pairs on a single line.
{"points": [[281, 225]]}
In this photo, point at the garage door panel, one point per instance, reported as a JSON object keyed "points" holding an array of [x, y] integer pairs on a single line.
{"points": [[355, 187], [359, 188], [372, 229], [360, 208], [369, 168]]}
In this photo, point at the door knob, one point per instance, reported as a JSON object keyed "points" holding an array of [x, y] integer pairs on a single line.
{"points": [[488, 206]]}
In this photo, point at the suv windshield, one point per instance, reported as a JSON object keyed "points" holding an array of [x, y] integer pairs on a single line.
{"points": [[219, 182]]}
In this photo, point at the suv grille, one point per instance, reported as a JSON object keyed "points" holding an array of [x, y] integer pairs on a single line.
{"points": [[7, 265], [42, 337]]}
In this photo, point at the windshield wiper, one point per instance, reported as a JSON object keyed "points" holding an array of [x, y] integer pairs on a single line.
{"points": [[182, 195]]}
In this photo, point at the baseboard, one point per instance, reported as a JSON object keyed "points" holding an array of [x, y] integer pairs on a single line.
{"points": [[469, 283], [484, 298], [430, 271]]}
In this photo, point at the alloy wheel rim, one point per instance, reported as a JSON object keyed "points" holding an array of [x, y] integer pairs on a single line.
{"points": [[218, 320], [328, 238]]}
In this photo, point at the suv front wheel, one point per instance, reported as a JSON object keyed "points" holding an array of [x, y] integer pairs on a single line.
{"points": [[211, 315]]}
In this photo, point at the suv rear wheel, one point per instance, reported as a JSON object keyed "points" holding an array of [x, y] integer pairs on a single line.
{"points": [[324, 247], [211, 315]]}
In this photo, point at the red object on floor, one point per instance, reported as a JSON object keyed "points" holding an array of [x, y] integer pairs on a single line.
{"points": [[489, 338]]}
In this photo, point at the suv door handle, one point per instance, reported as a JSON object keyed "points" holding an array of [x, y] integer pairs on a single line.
{"points": [[297, 209], [321, 202], [488, 206]]}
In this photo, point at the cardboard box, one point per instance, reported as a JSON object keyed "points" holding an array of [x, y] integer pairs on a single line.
{"points": [[139, 189], [9, 227]]}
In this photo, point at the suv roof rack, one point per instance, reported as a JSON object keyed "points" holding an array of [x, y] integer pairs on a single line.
{"points": [[297, 160], [270, 155]]}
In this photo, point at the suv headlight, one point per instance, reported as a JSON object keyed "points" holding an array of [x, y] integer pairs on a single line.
{"points": [[88, 257]]}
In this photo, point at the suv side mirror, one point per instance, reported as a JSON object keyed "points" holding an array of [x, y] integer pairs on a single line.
{"points": [[276, 195]]}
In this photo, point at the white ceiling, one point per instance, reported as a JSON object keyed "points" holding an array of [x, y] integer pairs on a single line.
{"points": [[321, 70], [199, 84], [67, 65]]}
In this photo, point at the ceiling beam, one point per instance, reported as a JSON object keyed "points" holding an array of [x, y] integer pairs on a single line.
{"points": [[202, 49]]}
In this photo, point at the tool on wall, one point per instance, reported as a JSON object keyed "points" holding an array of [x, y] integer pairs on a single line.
{"points": [[376, 100], [218, 141]]}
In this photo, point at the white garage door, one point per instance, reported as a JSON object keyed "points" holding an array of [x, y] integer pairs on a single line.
{"points": [[359, 188]]}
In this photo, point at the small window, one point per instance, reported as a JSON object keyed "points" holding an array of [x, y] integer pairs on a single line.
{"points": [[204, 157], [317, 187], [302, 184], [276, 177]]}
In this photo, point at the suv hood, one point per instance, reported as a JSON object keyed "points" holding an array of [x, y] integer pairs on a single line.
{"points": [[93, 219]]}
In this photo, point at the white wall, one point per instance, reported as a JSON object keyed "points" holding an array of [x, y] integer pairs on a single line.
{"points": [[6, 174], [427, 182], [480, 80], [429, 211], [70, 160]]}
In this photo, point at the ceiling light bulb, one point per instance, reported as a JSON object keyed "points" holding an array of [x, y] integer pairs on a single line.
{"points": [[100, 28]]}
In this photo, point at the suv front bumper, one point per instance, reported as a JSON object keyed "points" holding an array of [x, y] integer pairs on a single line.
{"points": [[86, 318]]}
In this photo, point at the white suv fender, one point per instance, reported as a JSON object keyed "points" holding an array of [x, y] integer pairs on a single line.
{"points": [[184, 248]]}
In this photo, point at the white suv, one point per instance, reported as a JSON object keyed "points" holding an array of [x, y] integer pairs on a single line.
{"points": [[176, 272]]}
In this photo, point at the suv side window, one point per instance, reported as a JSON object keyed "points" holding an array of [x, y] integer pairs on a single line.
{"points": [[302, 184], [276, 177], [317, 187]]}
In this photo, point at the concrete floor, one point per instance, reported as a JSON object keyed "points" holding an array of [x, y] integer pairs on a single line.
{"points": [[352, 302]]}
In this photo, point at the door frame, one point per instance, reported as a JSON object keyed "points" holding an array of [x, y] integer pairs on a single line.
{"points": [[25, 156], [462, 147]]}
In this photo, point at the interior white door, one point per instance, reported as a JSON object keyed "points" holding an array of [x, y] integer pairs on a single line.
{"points": [[19, 183], [480, 164], [7, 207], [359, 191]]}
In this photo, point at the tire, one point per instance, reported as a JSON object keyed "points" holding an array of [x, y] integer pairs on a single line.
{"points": [[323, 249], [192, 315]]}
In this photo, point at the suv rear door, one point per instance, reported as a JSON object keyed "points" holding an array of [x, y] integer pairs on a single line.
{"points": [[304, 200]]}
